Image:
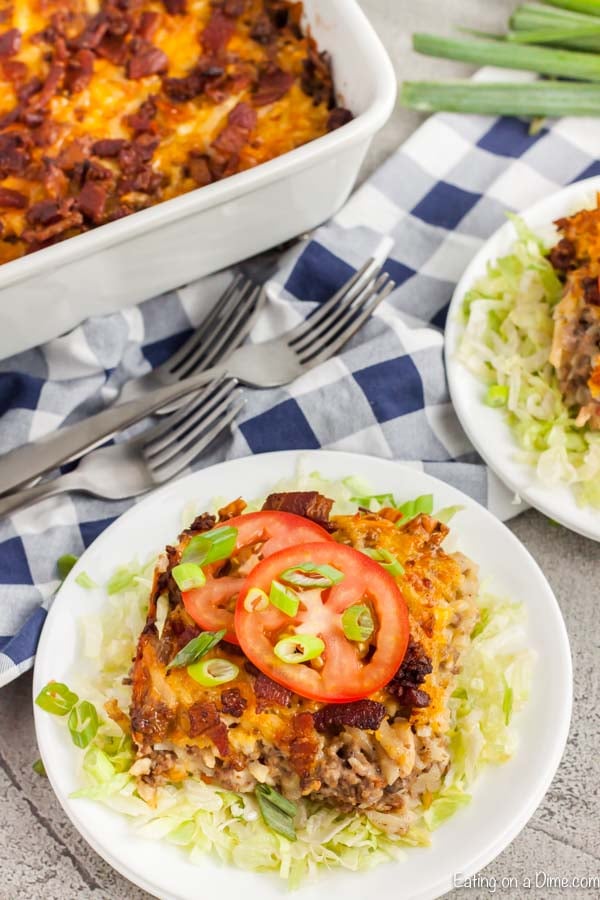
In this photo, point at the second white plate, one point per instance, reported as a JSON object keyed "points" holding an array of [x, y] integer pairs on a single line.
{"points": [[486, 428]]}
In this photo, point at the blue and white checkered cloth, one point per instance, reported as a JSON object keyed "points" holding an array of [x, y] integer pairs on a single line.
{"points": [[438, 197]]}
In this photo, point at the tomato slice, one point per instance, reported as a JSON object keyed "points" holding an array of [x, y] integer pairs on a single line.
{"points": [[343, 675], [260, 534]]}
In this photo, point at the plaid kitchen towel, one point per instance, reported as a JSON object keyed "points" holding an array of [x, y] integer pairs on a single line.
{"points": [[438, 198]]}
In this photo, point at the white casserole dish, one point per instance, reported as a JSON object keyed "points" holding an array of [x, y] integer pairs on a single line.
{"points": [[130, 260]]}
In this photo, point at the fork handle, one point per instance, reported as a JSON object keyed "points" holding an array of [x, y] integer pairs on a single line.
{"points": [[25, 463], [10, 503]]}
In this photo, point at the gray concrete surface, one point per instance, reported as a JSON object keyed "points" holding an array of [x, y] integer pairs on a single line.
{"points": [[41, 855]]}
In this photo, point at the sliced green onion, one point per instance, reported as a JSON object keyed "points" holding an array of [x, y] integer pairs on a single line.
{"points": [[544, 60], [121, 579], [447, 513], [496, 395], [39, 768], [309, 575], [553, 35], [357, 622], [188, 576], [538, 98], [413, 508], [212, 672], [56, 698], [196, 648], [277, 812], [382, 499], [64, 564], [507, 702], [256, 600], [284, 598], [298, 648], [83, 723], [211, 546], [387, 561], [84, 581]]}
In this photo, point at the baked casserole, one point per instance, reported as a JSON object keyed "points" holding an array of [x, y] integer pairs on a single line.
{"points": [[110, 107]]}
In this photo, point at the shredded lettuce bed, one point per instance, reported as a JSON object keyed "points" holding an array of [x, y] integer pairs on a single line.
{"points": [[203, 819], [506, 344]]}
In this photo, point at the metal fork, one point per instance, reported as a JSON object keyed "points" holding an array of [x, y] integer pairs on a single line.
{"points": [[220, 332], [267, 364], [148, 459]]}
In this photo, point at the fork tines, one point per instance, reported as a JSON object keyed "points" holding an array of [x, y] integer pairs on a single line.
{"points": [[328, 328], [180, 438]]}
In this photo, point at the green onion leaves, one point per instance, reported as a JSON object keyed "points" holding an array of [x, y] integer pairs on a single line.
{"points": [[84, 581], [413, 508], [211, 546], [39, 768], [277, 812], [213, 672], [298, 648], [309, 575], [196, 648], [188, 576], [56, 698], [496, 395], [284, 598], [83, 723], [386, 559], [357, 622], [64, 564]]}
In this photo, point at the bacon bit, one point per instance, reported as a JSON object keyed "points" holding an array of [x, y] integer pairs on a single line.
{"points": [[202, 717], [92, 201], [405, 685], [193, 84], [113, 48], [148, 24], [273, 84], [308, 504], [14, 154], [263, 31], [10, 199], [40, 236], [198, 169], [304, 745], [363, 714], [29, 88], [268, 693], [338, 117], [93, 32], [563, 256], [151, 719], [44, 212], [240, 122], [134, 155], [10, 42], [107, 148], [219, 737], [147, 60], [142, 119], [175, 7], [72, 154], [80, 69], [201, 523], [46, 133], [316, 79], [234, 8], [232, 702], [51, 85], [218, 32], [14, 70], [54, 179]]}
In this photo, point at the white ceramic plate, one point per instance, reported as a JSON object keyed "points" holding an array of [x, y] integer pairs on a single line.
{"points": [[504, 798], [486, 428]]}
